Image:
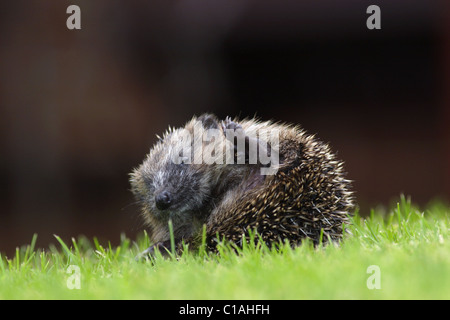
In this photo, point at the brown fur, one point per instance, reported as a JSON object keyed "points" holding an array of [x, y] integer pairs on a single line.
{"points": [[308, 195]]}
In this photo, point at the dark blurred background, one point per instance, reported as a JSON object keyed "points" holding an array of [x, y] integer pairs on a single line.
{"points": [[80, 108]]}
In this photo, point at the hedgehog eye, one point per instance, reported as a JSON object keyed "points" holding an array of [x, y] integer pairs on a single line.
{"points": [[185, 160], [182, 159]]}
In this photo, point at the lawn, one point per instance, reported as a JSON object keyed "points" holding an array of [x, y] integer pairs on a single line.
{"points": [[401, 254]]}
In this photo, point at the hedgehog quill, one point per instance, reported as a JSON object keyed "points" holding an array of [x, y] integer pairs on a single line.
{"points": [[240, 176]]}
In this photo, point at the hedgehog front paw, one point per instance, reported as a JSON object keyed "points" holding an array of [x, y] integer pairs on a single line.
{"points": [[234, 133], [229, 124], [232, 129]]}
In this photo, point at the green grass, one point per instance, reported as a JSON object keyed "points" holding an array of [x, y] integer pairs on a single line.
{"points": [[410, 247]]}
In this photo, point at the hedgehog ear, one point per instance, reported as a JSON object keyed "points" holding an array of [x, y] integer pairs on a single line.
{"points": [[209, 121]]}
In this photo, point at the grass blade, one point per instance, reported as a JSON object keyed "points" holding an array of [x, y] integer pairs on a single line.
{"points": [[172, 238], [68, 253]]}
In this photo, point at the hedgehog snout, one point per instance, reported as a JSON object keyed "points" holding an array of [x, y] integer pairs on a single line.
{"points": [[163, 200]]}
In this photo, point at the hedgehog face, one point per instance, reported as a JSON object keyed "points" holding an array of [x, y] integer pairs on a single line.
{"points": [[168, 187], [173, 191]]}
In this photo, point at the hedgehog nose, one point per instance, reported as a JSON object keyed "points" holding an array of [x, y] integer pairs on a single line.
{"points": [[163, 200]]}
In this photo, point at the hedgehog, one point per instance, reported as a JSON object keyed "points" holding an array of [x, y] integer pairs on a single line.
{"points": [[225, 180]]}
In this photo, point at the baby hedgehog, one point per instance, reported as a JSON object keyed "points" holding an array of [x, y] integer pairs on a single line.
{"points": [[236, 176]]}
